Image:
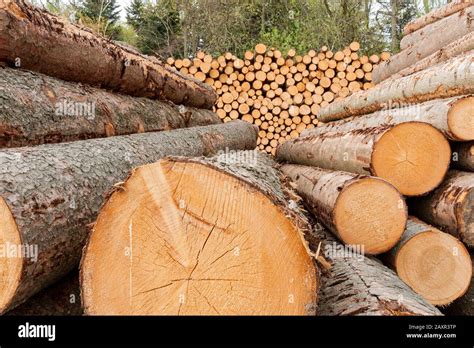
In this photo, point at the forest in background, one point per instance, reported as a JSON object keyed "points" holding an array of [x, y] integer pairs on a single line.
{"points": [[180, 28]]}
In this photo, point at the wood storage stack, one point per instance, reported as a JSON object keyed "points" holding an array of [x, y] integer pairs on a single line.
{"points": [[280, 93]]}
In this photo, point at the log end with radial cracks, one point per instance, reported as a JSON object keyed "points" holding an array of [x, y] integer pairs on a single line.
{"points": [[183, 238], [412, 156], [370, 213], [436, 265], [11, 260], [461, 119]]}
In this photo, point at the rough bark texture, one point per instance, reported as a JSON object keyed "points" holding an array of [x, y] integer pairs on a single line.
{"points": [[463, 156], [465, 304], [450, 206], [434, 112], [455, 77], [37, 40], [436, 15], [55, 191], [37, 109], [61, 298], [397, 66]]}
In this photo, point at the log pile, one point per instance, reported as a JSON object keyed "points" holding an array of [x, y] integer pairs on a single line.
{"points": [[280, 93]]}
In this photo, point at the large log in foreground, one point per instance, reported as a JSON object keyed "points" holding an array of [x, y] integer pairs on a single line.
{"points": [[36, 40], [37, 109], [200, 237], [412, 156], [452, 78], [463, 156], [365, 212], [465, 304], [434, 264], [450, 206], [50, 193]]}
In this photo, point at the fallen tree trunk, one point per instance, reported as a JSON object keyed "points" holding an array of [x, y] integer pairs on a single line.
{"points": [[454, 77], [465, 304], [195, 246], [450, 206], [365, 212], [463, 156], [37, 109], [396, 67], [36, 40], [445, 31], [452, 116], [412, 156], [433, 263], [435, 15], [61, 298], [50, 193]]}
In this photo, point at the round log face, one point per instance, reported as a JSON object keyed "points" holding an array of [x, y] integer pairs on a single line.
{"points": [[461, 119], [187, 239], [436, 265], [412, 156]]}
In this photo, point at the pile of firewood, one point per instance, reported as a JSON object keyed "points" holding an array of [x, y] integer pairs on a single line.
{"points": [[280, 93]]}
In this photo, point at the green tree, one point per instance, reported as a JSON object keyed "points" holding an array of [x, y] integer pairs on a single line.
{"points": [[101, 15]]}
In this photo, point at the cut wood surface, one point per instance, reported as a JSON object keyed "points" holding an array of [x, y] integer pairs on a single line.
{"points": [[452, 78], [61, 298], [465, 304], [388, 71], [37, 109], [50, 193], [454, 117], [356, 284], [412, 156], [436, 14], [362, 211], [204, 237], [441, 32], [36, 40], [450, 206], [463, 156], [434, 264]]}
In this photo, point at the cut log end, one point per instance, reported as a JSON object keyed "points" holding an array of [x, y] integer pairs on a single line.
{"points": [[413, 156], [461, 119], [373, 208], [191, 239], [436, 265]]}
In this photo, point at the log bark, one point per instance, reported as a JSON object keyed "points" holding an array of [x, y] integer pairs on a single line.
{"points": [[463, 156], [402, 64], [435, 15], [37, 109], [50, 193], [37, 40], [60, 299], [412, 156], [452, 116], [204, 237], [465, 304], [450, 206], [452, 78], [365, 212], [434, 264]]}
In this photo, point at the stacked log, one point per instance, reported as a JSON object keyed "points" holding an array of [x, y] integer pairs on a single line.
{"points": [[463, 156], [280, 93], [465, 304]]}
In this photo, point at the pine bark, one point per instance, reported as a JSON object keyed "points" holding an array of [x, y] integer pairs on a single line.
{"points": [[54, 191], [36, 109], [463, 156], [37, 40], [452, 78]]}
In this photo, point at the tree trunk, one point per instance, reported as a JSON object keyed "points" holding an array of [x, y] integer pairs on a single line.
{"points": [[433, 263], [450, 206], [355, 284], [50, 193], [465, 304], [453, 78], [408, 61], [200, 237], [37, 109], [36, 40], [452, 116], [365, 212], [435, 15], [463, 156], [61, 298], [412, 156]]}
